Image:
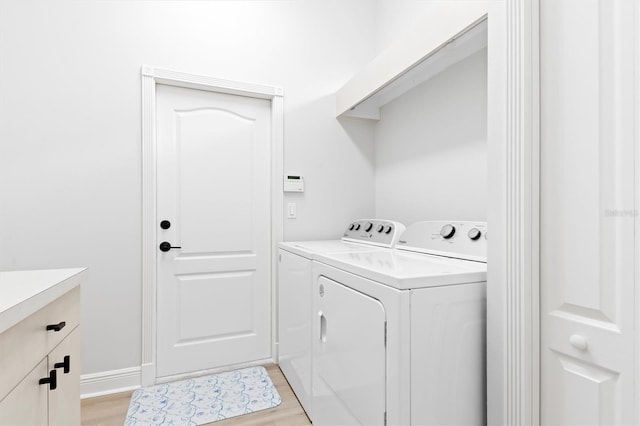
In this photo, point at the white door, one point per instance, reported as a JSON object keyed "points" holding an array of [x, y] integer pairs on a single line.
{"points": [[213, 186], [588, 211], [349, 357]]}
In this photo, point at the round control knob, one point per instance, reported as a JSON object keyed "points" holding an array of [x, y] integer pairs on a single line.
{"points": [[474, 233], [357, 226], [351, 227], [368, 227], [388, 230], [447, 231], [380, 228]]}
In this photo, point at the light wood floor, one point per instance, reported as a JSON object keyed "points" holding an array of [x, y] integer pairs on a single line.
{"points": [[111, 410]]}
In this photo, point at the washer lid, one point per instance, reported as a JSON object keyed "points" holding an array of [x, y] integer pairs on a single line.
{"points": [[406, 270]]}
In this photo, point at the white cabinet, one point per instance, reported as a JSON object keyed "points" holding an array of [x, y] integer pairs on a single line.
{"points": [[40, 375]]}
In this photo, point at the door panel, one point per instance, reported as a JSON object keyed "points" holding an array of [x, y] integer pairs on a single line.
{"points": [[214, 288], [213, 168], [588, 214], [232, 319], [598, 388], [349, 350]]}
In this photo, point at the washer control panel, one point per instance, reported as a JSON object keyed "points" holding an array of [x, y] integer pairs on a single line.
{"points": [[377, 232], [459, 239]]}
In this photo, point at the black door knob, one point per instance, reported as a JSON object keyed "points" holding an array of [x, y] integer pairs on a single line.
{"points": [[165, 224], [166, 246]]}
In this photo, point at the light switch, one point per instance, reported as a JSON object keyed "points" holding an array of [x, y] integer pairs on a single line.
{"points": [[291, 210]]}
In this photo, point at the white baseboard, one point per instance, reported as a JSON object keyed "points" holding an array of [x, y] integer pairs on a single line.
{"points": [[108, 382], [176, 377], [127, 379]]}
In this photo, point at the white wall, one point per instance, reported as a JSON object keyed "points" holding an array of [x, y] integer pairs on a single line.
{"points": [[394, 17], [431, 148], [70, 130]]}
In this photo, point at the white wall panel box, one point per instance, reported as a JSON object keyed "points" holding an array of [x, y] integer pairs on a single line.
{"points": [[293, 183]]}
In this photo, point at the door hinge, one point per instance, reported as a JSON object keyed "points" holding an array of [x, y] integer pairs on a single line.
{"points": [[280, 257]]}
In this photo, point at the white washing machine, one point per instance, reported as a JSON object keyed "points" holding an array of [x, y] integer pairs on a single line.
{"points": [[295, 294], [399, 335]]}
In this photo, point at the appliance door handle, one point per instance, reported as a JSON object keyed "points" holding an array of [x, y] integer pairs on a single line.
{"points": [[323, 327]]}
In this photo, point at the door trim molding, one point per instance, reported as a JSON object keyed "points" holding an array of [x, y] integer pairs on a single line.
{"points": [[513, 346], [151, 77]]}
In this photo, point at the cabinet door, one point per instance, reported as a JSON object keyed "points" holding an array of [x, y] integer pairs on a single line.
{"points": [[26, 404], [64, 402]]}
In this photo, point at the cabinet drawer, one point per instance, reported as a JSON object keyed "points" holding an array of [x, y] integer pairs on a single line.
{"points": [[26, 343]]}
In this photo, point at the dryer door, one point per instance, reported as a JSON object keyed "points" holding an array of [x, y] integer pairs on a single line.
{"points": [[349, 357]]}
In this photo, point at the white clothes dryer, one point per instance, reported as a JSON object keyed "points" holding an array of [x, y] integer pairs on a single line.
{"points": [[295, 294], [399, 335]]}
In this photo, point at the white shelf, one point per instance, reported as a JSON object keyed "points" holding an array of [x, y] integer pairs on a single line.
{"points": [[448, 33]]}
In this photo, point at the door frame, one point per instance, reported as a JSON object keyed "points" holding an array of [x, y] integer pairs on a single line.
{"points": [[151, 77], [513, 288]]}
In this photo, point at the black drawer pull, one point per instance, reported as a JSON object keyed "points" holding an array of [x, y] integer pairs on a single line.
{"points": [[56, 327], [52, 380], [66, 364]]}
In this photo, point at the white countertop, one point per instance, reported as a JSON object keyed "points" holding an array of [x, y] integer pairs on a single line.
{"points": [[23, 293]]}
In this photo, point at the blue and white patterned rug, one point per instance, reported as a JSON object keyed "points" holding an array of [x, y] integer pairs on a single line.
{"points": [[203, 399]]}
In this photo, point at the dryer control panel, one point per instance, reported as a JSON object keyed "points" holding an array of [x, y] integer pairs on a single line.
{"points": [[457, 239], [377, 232]]}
